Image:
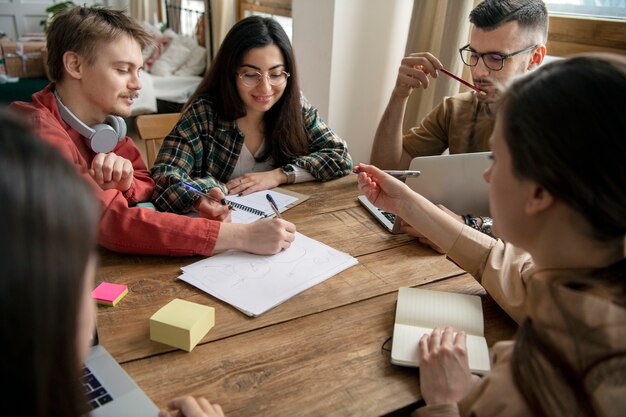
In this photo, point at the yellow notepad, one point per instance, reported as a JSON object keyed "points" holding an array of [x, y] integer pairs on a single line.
{"points": [[181, 323], [420, 311]]}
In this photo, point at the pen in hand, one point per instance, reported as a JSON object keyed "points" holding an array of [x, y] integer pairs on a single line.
{"points": [[195, 190], [273, 206], [396, 173]]}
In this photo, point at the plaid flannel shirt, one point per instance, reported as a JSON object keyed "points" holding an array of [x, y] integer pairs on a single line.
{"points": [[203, 150]]}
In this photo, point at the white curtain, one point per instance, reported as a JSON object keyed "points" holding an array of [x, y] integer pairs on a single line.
{"points": [[145, 10], [440, 27], [224, 17]]}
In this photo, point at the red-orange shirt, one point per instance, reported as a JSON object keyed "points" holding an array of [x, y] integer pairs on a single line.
{"points": [[123, 226]]}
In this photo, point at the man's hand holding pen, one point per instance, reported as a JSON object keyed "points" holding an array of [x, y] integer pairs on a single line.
{"points": [[212, 205], [211, 208]]}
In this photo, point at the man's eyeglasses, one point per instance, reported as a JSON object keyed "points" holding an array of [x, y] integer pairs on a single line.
{"points": [[253, 78], [492, 60]]}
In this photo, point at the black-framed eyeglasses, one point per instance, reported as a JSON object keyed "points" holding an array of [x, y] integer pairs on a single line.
{"points": [[492, 60], [253, 78]]}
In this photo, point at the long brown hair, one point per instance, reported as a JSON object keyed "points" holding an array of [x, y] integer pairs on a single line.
{"points": [[48, 220], [283, 123], [553, 120]]}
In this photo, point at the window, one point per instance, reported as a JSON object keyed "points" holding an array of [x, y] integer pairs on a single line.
{"points": [[605, 9], [190, 15], [280, 10]]}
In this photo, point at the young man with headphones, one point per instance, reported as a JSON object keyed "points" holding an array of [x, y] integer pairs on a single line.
{"points": [[94, 58]]}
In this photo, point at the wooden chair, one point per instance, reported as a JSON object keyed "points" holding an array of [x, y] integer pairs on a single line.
{"points": [[153, 128]]}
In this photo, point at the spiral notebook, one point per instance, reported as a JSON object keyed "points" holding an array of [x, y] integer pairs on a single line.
{"points": [[253, 207]]}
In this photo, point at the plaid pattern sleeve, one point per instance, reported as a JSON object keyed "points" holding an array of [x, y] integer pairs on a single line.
{"points": [[201, 150], [328, 158]]}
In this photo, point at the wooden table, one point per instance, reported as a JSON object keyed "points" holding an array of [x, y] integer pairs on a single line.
{"points": [[317, 354]]}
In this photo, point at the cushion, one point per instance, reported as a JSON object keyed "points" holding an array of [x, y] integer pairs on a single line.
{"points": [[176, 54], [195, 64], [173, 58], [155, 49], [152, 52]]}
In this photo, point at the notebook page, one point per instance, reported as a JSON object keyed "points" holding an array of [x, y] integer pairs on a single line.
{"points": [[404, 350], [430, 309], [257, 201]]}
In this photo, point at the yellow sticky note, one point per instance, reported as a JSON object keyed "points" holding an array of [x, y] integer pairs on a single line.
{"points": [[181, 323]]}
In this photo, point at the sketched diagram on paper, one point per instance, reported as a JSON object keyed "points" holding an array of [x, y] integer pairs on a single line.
{"points": [[292, 265], [304, 261]]}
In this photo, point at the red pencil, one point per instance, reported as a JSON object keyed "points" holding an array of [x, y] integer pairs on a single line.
{"points": [[462, 81]]}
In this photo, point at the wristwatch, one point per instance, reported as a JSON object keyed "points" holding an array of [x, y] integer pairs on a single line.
{"points": [[290, 172], [486, 225]]}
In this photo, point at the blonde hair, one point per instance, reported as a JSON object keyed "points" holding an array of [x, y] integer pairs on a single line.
{"points": [[82, 29]]}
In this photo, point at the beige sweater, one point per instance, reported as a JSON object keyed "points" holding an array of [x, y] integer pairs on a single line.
{"points": [[595, 328]]}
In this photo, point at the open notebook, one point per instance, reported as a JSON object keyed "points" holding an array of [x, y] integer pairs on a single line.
{"points": [[253, 207], [420, 311]]}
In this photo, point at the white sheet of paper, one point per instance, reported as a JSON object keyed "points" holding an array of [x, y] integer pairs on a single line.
{"points": [[257, 283]]}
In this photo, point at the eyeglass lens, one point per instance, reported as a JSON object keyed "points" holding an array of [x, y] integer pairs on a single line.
{"points": [[253, 78], [492, 61]]}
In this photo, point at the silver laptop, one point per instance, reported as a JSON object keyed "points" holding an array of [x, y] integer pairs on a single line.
{"points": [[111, 391], [456, 181]]}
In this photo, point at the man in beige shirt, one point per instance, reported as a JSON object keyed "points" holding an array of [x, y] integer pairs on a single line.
{"points": [[507, 39]]}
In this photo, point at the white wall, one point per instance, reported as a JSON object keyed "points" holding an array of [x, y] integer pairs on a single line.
{"points": [[18, 17], [348, 54], [313, 24]]}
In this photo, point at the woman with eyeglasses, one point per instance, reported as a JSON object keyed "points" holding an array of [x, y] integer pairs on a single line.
{"points": [[247, 127]]}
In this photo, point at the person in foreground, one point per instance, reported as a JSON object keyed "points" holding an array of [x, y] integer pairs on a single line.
{"points": [[560, 268], [247, 127], [49, 262], [94, 58]]}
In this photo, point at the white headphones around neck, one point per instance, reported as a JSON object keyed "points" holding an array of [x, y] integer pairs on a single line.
{"points": [[102, 137]]}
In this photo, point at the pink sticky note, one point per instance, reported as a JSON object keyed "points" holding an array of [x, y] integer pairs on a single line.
{"points": [[109, 294]]}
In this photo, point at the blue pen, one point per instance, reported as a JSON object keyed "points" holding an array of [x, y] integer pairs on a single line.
{"points": [[273, 205], [195, 190]]}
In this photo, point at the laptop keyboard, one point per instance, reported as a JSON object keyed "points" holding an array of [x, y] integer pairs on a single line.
{"points": [[96, 393], [390, 216]]}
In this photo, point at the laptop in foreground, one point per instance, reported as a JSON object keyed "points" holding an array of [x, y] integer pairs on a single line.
{"points": [[456, 181], [111, 391]]}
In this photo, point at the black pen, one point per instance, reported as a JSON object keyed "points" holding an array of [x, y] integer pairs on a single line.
{"points": [[195, 190], [273, 205]]}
